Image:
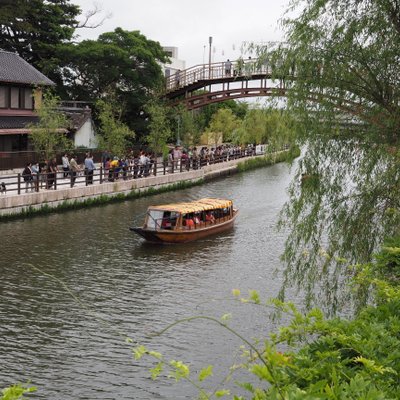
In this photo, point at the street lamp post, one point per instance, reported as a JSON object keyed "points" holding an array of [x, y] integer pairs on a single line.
{"points": [[178, 138], [209, 57]]}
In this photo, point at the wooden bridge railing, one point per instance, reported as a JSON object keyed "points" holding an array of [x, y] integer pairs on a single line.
{"points": [[203, 72]]}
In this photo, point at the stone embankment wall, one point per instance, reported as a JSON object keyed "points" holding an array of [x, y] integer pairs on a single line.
{"points": [[20, 204]]}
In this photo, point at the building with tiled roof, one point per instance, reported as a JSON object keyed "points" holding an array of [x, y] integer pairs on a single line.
{"points": [[20, 96], [15, 70]]}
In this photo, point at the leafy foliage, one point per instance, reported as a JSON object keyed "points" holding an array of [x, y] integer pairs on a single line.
{"points": [[267, 125], [124, 64], [345, 101], [114, 136], [317, 358], [15, 392], [189, 123], [37, 30], [48, 135], [159, 127], [223, 122], [239, 110]]}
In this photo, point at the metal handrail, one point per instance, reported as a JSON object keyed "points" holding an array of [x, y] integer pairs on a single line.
{"points": [[46, 181], [201, 72]]}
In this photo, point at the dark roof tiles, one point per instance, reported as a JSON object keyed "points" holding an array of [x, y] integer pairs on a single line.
{"points": [[75, 120], [16, 122], [14, 69]]}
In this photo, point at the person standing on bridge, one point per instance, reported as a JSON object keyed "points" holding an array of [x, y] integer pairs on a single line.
{"points": [[228, 67], [178, 78]]}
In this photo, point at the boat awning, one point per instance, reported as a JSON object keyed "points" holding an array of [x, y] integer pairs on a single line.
{"points": [[194, 206]]}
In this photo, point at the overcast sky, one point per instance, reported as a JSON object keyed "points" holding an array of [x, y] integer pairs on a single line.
{"points": [[189, 24]]}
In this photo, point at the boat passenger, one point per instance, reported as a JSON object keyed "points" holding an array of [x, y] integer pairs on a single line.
{"points": [[189, 223], [166, 221], [210, 217]]}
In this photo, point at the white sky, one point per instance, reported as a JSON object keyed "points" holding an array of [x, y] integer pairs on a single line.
{"points": [[189, 24]]}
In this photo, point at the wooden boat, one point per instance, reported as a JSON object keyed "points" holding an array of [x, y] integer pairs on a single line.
{"points": [[185, 222]]}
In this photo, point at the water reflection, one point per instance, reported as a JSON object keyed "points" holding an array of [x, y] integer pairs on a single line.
{"points": [[128, 286]]}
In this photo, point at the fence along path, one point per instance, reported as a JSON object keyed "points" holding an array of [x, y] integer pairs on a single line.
{"points": [[14, 184]]}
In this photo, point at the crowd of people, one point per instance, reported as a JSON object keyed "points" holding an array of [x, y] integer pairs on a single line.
{"points": [[134, 165], [43, 174], [142, 164]]}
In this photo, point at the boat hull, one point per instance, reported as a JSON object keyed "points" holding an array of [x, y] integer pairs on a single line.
{"points": [[185, 235]]}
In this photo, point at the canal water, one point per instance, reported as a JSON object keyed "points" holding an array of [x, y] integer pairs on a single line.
{"points": [[74, 285]]}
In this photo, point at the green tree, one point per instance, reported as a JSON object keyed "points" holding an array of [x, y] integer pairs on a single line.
{"points": [[189, 122], [37, 30], [266, 125], [114, 136], [204, 115], [255, 127], [223, 122], [159, 127], [345, 101], [122, 63], [49, 134]]}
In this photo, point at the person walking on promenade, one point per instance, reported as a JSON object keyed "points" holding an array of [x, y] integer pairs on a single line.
{"points": [[28, 178], [114, 168], [177, 156], [74, 169], [65, 165], [147, 164], [51, 172], [108, 174], [142, 163], [171, 161], [185, 160], [89, 169], [35, 174]]}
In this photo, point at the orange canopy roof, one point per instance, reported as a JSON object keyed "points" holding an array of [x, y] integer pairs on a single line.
{"points": [[195, 206]]}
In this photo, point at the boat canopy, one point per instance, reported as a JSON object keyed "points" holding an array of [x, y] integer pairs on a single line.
{"points": [[195, 206]]}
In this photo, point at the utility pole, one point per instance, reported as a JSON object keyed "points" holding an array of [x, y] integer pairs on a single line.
{"points": [[178, 138], [209, 57]]}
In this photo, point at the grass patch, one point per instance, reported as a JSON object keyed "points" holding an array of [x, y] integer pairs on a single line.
{"points": [[269, 159]]}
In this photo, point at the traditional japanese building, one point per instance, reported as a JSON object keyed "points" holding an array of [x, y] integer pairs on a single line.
{"points": [[20, 95], [21, 88]]}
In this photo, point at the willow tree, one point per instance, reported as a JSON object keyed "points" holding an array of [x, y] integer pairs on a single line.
{"points": [[267, 125], [341, 69], [222, 125]]}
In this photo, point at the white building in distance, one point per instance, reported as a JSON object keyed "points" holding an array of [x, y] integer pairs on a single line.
{"points": [[175, 64]]}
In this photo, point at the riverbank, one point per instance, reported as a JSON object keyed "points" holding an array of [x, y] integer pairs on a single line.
{"points": [[37, 203]]}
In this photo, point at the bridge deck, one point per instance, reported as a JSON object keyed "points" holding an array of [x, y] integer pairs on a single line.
{"points": [[219, 83]]}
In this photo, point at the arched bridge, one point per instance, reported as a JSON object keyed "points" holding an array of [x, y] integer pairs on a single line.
{"points": [[205, 84]]}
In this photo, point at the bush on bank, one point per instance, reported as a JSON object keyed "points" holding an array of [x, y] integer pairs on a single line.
{"points": [[269, 159]]}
